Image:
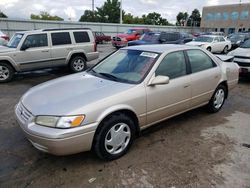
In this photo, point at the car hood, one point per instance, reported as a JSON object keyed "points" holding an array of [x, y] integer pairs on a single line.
{"points": [[4, 49], [196, 43], [240, 52], [67, 94]]}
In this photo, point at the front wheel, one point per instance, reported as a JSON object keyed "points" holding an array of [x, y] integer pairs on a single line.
{"points": [[209, 49], [218, 99], [6, 72], [77, 64], [115, 137]]}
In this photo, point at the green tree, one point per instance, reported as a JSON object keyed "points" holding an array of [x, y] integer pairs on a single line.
{"points": [[194, 19], [2, 15], [45, 16], [181, 18], [109, 12], [89, 16], [154, 19]]}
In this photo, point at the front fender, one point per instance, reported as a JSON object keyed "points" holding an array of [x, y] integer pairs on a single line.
{"points": [[113, 109], [11, 61]]}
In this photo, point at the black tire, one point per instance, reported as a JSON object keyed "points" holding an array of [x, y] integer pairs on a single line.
{"points": [[209, 49], [225, 50], [6, 72], [213, 106], [77, 64], [103, 134]]}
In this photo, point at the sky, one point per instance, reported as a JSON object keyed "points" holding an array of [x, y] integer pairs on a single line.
{"points": [[73, 9]]}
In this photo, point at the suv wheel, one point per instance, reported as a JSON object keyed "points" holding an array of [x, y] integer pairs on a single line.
{"points": [[115, 137], [218, 99], [209, 49], [77, 64], [6, 72]]}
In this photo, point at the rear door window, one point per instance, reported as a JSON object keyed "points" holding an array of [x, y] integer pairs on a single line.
{"points": [[60, 38], [82, 36], [199, 61]]}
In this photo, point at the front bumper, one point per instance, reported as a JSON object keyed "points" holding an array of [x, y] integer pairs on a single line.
{"points": [[58, 141], [119, 43]]}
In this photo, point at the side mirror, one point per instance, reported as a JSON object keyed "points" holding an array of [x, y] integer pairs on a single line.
{"points": [[24, 47], [159, 80]]}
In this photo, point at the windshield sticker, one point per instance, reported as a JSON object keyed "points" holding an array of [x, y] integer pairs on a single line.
{"points": [[149, 54]]}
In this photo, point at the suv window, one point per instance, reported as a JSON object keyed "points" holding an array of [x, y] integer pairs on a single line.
{"points": [[60, 38], [172, 36], [37, 40], [173, 65], [199, 61], [82, 36]]}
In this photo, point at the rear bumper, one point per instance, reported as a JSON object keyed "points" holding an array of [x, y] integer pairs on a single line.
{"points": [[91, 56]]}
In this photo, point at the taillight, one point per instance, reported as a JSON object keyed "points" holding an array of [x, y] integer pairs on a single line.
{"points": [[5, 37], [95, 47]]}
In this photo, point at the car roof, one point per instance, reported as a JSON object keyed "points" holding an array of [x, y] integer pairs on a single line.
{"points": [[51, 29], [160, 48]]}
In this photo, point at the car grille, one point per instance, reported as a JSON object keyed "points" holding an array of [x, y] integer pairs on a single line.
{"points": [[242, 64], [23, 114], [117, 39]]}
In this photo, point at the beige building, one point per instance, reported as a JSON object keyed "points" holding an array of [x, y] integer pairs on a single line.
{"points": [[227, 18]]}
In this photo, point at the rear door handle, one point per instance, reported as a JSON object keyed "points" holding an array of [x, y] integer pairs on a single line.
{"points": [[69, 48], [45, 50]]}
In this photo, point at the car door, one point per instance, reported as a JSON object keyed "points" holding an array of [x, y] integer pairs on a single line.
{"points": [[204, 78], [223, 43], [61, 47], [166, 100], [216, 45], [35, 53]]}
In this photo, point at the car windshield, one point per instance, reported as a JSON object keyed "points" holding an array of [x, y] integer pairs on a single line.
{"points": [[203, 39], [149, 37], [130, 31], [246, 44], [14, 41], [128, 66]]}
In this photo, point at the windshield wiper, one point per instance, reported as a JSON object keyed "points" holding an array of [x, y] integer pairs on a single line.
{"points": [[108, 75]]}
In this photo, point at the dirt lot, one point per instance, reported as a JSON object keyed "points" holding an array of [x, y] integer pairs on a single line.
{"points": [[196, 149]]}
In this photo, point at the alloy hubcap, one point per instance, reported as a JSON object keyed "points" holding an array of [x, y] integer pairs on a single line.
{"points": [[219, 98], [117, 138], [78, 64], [4, 73]]}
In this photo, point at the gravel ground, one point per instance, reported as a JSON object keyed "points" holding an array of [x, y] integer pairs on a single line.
{"points": [[195, 149]]}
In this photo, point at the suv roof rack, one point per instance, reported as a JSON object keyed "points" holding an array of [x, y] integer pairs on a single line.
{"points": [[59, 29]]}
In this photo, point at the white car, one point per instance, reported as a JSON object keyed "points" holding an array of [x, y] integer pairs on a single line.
{"points": [[212, 43], [4, 39], [242, 58]]}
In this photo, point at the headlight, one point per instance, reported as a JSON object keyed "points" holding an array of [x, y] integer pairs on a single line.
{"points": [[60, 122], [238, 42]]}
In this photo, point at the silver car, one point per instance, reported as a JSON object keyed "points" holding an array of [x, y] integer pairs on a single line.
{"points": [[105, 107]]}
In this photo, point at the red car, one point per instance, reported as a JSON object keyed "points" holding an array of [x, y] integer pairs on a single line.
{"points": [[100, 37], [122, 40]]}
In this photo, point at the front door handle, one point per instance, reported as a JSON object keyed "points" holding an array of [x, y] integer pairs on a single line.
{"points": [[45, 50], [186, 86], [69, 48]]}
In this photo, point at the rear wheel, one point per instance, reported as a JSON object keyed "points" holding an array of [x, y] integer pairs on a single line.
{"points": [[77, 64], [225, 50], [209, 49], [115, 137], [218, 99], [6, 72]]}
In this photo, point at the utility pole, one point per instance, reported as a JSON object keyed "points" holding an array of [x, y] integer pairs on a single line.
{"points": [[93, 5], [121, 12]]}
